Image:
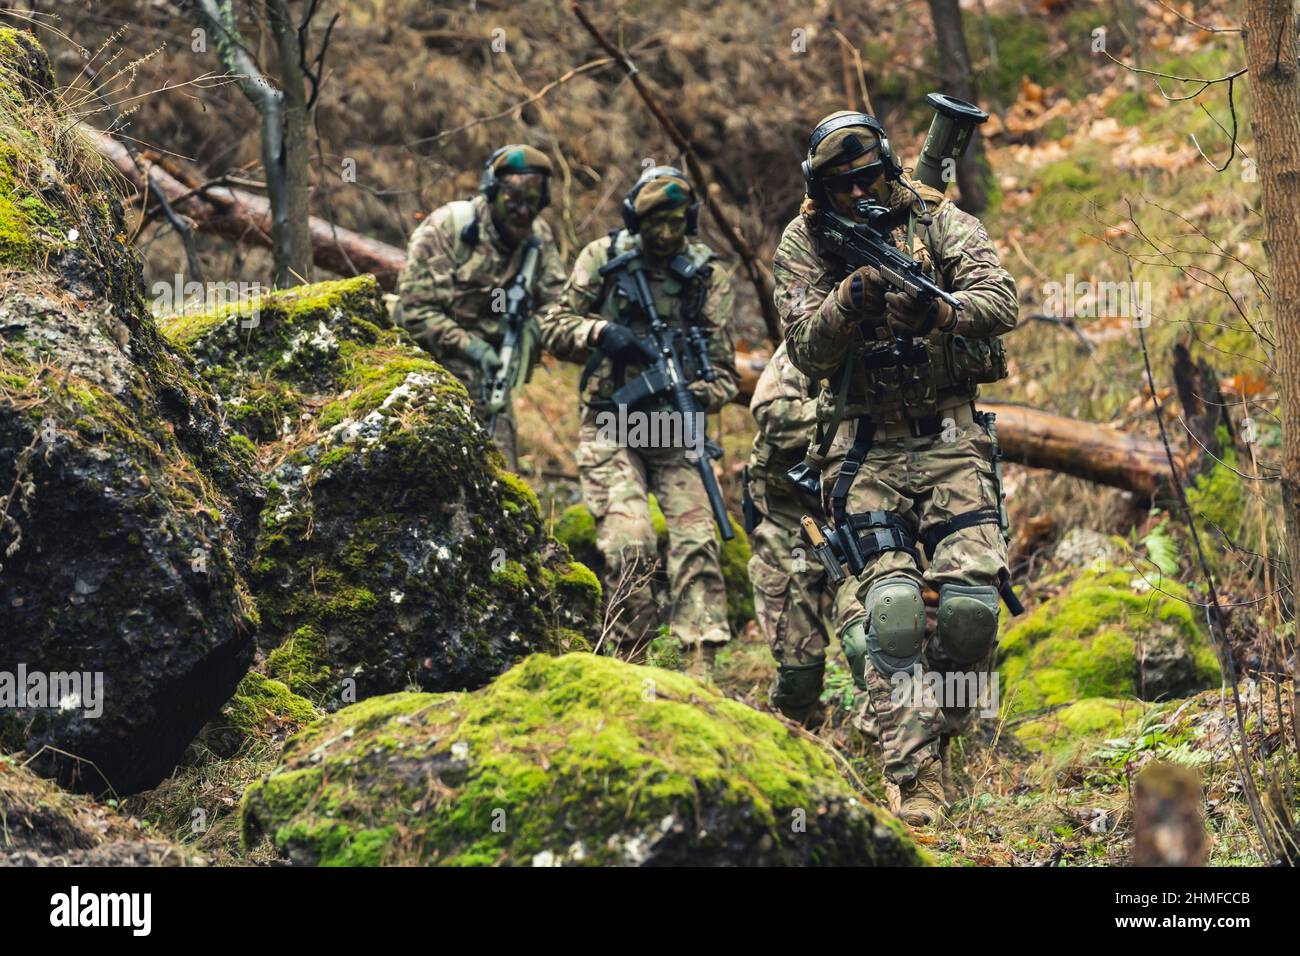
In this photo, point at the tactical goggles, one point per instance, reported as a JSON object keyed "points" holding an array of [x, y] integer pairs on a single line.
{"points": [[527, 194], [864, 177]]}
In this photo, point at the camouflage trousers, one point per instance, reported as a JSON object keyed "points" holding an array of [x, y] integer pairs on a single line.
{"points": [[928, 480], [505, 431], [793, 603], [616, 482]]}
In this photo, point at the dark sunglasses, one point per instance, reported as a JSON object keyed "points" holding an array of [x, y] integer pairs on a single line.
{"points": [[528, 194], [864, 178]]}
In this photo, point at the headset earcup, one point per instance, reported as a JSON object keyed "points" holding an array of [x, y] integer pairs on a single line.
{"points": [[630, 221], [488, 181]]}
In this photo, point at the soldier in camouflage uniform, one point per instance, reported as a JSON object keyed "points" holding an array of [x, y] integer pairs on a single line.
{"points": [[793, 602], [906, 460], [593, 322], [458, 264]]}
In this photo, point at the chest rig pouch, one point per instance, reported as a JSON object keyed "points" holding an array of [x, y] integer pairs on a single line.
{"points": [[974, 361]]}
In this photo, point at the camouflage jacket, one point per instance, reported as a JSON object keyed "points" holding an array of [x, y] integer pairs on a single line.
{"points": [[568, 325], [961, 257], [446, 288], [786, 415]]}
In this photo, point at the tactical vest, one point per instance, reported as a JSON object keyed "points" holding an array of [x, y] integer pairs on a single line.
{"points": [[934, 374], [680, 304]]}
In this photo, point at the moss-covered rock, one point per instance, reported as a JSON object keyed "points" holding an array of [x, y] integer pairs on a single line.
{"points": [[1081, 725], [261, 708], [128, 527], [1104, 637], [396, 551], [735, 572], [576, 528], [45, 826], [571, 760]]}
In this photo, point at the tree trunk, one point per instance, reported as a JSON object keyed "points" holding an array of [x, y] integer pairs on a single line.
{"points": [[284, 137], [243, 216], [1271, 50], [959, 80], [293, 255]]}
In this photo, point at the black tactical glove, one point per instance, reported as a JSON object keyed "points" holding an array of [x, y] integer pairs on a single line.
{"points": [[621, 343]]}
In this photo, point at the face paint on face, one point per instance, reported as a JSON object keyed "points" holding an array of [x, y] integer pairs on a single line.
{"points": [[848, 183], [518, 201], [663, 232]]}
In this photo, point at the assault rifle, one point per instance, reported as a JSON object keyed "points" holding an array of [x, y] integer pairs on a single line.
{"points": [[859, 244], [666, 378], [519, 341]]}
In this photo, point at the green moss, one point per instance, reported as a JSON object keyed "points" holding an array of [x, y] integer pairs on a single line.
{"points": [[516, 493], [576, 751], [259, 700], [576, 530], [565, 640], [512, 575], [300, 662], [243, 446], [1085, 643], [1080, 726], [578, 582], [298, 306], [28, 228], [372, 375]]}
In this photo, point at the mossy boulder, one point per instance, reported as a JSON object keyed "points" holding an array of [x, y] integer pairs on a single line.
{"points": [[576, 528], [578, 759], [1106, 635], [1083, 724], [46, 826], [396, 551], [127, 517]]}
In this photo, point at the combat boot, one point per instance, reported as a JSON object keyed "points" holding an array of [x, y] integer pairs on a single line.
{"points": [[922, 802]]}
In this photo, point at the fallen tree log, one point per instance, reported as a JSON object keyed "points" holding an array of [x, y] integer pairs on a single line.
{"points": [[1028, 436], [246, 217], [1084, 449]]}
